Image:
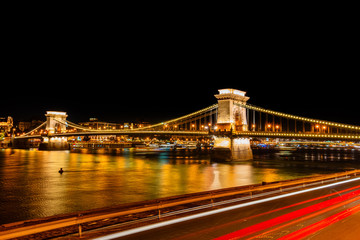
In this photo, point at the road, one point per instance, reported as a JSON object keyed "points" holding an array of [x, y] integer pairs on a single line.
{"points": [[324, 212]]}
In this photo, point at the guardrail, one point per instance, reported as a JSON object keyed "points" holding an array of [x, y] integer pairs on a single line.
{"points": [[127, 214]]}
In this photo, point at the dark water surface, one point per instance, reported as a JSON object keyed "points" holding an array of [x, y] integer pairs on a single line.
{"points": [[31, 187]]}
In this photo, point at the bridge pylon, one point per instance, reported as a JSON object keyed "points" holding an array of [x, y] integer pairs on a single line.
{"points": [[55, 124], [54, 120], [231, 114], [231, 117]]}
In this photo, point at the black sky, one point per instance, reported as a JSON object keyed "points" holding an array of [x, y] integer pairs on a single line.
{"points": [[152, 73]]}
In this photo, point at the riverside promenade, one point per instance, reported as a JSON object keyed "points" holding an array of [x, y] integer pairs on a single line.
{"points": [[224, 213]]}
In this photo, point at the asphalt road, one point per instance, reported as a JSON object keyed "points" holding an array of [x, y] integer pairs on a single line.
{"points": [[330, 212]]}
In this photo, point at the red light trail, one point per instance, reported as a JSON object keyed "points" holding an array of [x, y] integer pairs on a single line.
{"points": [[205, 231], [320, 208], [322, 224]]}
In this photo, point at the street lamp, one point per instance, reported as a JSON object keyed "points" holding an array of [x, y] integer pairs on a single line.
{"points": [[317, 126], [277, 127]]}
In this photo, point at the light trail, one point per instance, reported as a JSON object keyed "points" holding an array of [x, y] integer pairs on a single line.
{"points": [[187, 218], [321, 224], [341, 204], [262, 214], [289, 216]]}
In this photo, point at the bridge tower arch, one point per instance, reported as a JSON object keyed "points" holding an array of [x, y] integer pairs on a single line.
{"points": [[231, 117], [54, 120], [55, 123]]}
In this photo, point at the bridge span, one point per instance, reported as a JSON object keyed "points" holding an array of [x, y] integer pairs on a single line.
{"points": [[231, 123]]}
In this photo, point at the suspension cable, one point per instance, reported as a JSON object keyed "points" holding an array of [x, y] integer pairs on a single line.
{"points": [[294, 117], [208, 109], [35, 129]]}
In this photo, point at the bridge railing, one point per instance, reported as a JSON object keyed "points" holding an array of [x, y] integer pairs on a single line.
{"points": [[299, 135]]}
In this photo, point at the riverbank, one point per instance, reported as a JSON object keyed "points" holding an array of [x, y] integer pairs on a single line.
{"points": [[159, 209], [96, 178]]}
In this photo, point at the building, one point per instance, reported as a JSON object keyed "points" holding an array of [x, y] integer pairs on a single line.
{"points": [[6, 124], [23, 126], [94, 123], [27, 126]]}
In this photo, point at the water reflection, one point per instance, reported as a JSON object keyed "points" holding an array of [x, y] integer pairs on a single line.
{"points": [[31, 186]]}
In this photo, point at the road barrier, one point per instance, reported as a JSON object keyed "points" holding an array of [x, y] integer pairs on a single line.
{"points": [[158, 209]]}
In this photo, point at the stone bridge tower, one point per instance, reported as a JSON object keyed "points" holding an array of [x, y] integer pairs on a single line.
{"points": [[231, 116], [54, 120], [231, 120]]}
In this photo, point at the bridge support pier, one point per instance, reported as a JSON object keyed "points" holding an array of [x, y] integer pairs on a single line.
{"points": [[54, 143], [227, 149]]}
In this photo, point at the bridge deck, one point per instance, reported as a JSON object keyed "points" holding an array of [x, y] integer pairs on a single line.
{"points": [[328, 136]]}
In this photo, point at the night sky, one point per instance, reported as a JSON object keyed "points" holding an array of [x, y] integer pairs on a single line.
{"points": [[155, 73]]}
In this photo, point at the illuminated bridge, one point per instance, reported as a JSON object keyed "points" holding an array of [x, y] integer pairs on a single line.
{"points": [[231, 122]]}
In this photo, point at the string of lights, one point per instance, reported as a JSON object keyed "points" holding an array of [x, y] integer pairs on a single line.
{"points": [[202, 111], [298, 135], [208, 110], [294, 117]]}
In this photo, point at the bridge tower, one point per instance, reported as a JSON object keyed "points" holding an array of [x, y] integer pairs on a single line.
{"points": [[231, 117], [53, 122]]}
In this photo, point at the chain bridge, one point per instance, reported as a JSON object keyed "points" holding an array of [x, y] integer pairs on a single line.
{"points": [[232, 121]]}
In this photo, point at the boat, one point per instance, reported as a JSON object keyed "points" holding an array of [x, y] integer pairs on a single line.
{"points": [[167, 146], [285, 147]]}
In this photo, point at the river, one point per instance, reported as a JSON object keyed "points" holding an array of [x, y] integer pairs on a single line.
{"points": [[31, 186]]}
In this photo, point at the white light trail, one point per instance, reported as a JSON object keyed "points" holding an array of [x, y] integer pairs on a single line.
{"points": [[162, 224]]}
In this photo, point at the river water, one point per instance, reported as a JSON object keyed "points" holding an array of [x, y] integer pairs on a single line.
{"points": [[31, 187]]}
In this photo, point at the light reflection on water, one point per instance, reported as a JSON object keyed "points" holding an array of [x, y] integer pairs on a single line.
{"points": [[31, 186]]}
